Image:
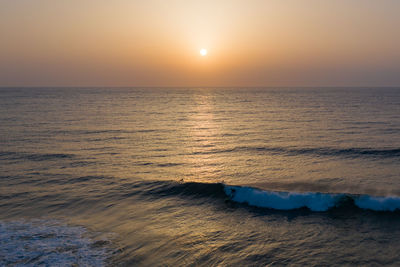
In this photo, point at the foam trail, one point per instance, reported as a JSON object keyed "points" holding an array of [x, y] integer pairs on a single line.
{"points": [[313, 201]]}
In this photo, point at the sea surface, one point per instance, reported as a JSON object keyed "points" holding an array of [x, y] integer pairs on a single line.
{"points": [[199, 176]]}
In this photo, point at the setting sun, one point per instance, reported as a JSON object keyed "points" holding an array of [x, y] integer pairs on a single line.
{"points": [[203, 52]]}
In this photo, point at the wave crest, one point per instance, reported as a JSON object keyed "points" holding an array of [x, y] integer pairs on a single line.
{"points": [[278, 200], [310, 200]]}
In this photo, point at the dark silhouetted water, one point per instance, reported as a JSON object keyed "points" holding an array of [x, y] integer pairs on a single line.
{"points": [[199, 176]]}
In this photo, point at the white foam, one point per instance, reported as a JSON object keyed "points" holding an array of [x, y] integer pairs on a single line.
{"points": [[48, 243], [313, 201]]}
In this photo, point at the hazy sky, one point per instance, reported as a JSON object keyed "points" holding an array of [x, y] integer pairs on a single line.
{"points": [[157, 43]]}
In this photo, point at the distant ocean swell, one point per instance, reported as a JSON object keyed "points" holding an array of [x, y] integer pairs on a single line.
{"points": [[9, 155], [320, 151], [287, 151]]}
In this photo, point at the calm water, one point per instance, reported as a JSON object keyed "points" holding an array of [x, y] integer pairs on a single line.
{"points": [[199, 176]]}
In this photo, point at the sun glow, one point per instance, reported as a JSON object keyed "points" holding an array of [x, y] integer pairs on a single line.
{"points": [[203, 52]]}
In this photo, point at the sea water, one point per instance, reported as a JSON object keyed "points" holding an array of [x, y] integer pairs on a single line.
{"points": [[199, 176]]}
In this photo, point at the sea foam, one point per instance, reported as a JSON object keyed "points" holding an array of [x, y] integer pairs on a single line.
{"points": [[49, 243]]}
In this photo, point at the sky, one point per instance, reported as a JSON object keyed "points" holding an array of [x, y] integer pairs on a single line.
{"points": [[158, 43]]}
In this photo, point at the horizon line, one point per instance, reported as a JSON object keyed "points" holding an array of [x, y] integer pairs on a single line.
{"points": [[192, 87]]}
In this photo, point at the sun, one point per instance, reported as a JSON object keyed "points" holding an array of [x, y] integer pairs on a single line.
{"points": [[203, 52]]}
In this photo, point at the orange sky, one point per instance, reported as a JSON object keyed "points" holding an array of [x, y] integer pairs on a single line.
{"points": [[157, 43]]}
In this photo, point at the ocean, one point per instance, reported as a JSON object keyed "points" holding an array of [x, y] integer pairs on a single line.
{"points": [[199, 176]]}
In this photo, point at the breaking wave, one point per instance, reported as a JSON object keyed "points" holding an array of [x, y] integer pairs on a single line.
{"points": [[314, 201], [310, 200]]}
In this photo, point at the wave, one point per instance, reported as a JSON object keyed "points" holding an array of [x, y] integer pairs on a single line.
{"points": [[8, 155], [314, 201], [348, 152], [320, 151], [190, 189]]}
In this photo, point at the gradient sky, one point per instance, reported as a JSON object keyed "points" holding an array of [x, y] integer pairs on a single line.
{"points": [[157, 43]]}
